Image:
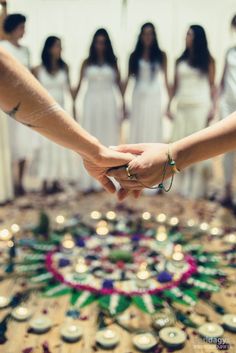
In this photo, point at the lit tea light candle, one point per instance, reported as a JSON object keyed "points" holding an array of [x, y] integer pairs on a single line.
{"points": [[144, 341], [15, 228], [178, 256], [111, 216], [21, 313], [10, 243], [146, 216], [60, 220], [229, 322], [230, 238], [174, 221], [81, 268], [40, 324], [95, 215], [102, 228], [215, 231], [210, 330], [161, 235], [204, 226], [71, 332], [191, 223], [161, 218], [4, 302], [5, 235], [107, 338], [178, 248], [172, 336], [68, 243], [143, 276]]}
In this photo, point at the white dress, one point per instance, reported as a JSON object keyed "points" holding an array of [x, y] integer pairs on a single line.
{"points": [[20, 135], [100, 111], [228, 106], [193, 106], [146, 111], [6, 182], [55, 162], [12, 146]]}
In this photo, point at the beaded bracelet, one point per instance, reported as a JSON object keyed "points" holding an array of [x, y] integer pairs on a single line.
{"points": [[171, 163]]}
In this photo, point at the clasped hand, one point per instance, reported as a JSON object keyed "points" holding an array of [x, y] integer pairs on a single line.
{"points": [[144, 161]]}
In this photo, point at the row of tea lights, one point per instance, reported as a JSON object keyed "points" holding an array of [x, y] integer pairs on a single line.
{"points": [[102, 226], [171, 336]]}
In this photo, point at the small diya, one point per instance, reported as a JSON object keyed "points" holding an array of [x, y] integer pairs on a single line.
{"points": [[4, 302], [21, 313], [144, 341], [71, 332], [210, 330], [107, 338], [229, 322], [40, 324], [172, 336]]}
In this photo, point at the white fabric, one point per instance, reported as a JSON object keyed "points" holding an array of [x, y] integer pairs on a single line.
{"points": [[100, 111], [6, 184], [193, 106], [21, 136], [230, 76], [146, 111], [54, 161]]}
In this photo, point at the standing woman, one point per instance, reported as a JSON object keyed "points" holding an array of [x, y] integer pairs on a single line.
{"points": [[14, 27], [228, 106], [55, 162], [6, 182], [146, 64], [194, 91], [100, 108]]}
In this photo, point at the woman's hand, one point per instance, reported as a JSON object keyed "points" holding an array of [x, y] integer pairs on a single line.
{"points": [[97, 165], [148, 167]]}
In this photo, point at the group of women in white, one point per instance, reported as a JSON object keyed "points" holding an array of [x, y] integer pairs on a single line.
{"points": [[191, 106]]}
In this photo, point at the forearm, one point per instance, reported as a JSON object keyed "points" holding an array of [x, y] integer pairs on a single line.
{"points": [[21, 94], [207, 143]]}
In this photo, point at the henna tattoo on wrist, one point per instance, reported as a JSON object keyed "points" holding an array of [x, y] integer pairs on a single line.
{"points": [[12, 113]]}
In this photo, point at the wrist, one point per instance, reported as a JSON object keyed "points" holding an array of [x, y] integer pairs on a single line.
{"points": [[180, 156], [93, 152]]}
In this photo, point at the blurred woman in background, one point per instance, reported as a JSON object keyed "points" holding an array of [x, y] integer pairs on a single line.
{"points": [[20, 136], [194, 91], [228, 106], [100, 107], [56, 163], [147, 64]]}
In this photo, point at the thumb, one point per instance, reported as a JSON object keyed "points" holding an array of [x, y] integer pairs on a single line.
{"points": [[132, 148]]}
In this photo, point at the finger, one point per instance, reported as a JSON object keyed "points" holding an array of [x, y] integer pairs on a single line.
{"points": [[130, 185], [135, 166], [118, 173], [137, 193], [120, 158], [122, 194], [107, 184], [132, 148]]}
